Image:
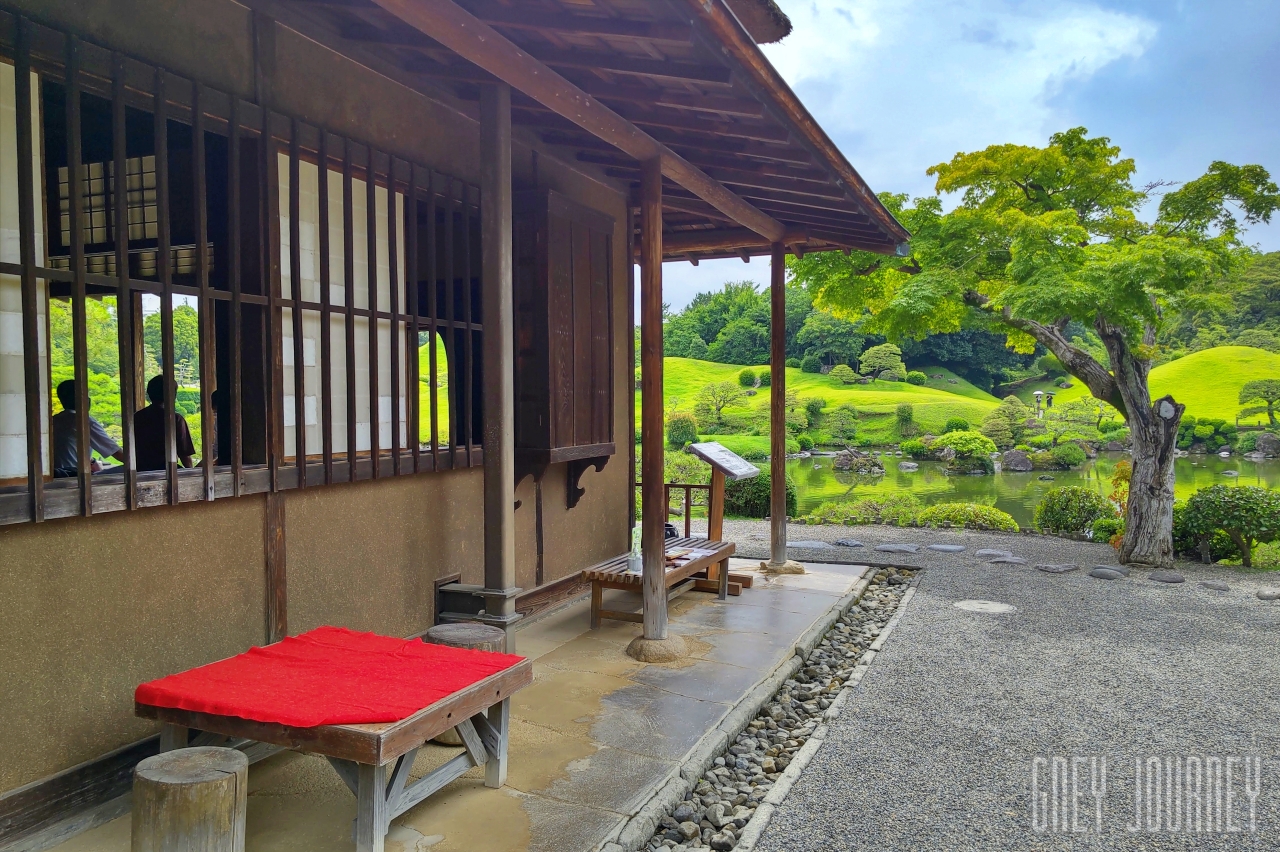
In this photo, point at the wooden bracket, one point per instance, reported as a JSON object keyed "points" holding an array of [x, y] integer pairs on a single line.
{"points": [[577, 467]]}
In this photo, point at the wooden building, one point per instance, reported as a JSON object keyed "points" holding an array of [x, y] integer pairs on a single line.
{"points": [[406, 230]]}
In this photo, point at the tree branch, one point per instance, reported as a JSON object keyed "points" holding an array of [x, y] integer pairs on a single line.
{"points": [[1077, 362]]}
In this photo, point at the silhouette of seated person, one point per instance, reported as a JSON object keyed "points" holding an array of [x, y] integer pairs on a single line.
{"points": [[148, 431], [66, 432]]}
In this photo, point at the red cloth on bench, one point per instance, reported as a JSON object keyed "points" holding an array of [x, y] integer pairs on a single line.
{"points": [[327, 676]]}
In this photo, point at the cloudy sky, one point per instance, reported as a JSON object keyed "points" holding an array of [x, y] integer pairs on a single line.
{"points": [[903, 84]]}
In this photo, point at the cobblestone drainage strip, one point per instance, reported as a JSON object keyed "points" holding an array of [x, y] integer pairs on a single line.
{"points": [[725, 802]]}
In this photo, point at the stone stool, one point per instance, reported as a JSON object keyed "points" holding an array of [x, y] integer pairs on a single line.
{"points": [[190, 800], [465, 634]]}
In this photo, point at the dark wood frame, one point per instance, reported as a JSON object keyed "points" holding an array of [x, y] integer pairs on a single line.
{"points": [[83, 67]]}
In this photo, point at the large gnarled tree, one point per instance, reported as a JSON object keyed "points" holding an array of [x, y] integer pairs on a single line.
{"points": [[1043, 237]]}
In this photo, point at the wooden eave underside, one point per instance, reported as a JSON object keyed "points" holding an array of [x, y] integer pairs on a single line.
{"points": [[670, 71]]}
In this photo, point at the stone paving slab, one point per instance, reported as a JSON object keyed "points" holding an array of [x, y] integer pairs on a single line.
{"points": [[935, 749], [592, 738]]}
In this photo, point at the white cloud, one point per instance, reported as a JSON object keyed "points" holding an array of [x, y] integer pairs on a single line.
{"points": [[903, 84]]}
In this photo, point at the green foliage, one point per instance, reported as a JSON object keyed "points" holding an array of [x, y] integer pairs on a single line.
{"points": [[1246, 513], [186, 336], [915, 377], [714, 398], [795, 362], [747, 378], [742, 341], [805, 441], [830, 339], [915, 448], [811, 364], [813, 406], [972, 516], [1266, 391], [749, 498], [1067, 455], [906, 415], [844, 374], [842, 423], [766, 378], [898, 510], [965, 444], [102, 347], [682, 428], [1072, 510], [997, 429], [1050, 366], [1258, 338], [881, 361], [1104, 529], [955, 424]]}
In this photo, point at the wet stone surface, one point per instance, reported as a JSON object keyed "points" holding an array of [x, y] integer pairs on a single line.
{"points": [[714, 813]]}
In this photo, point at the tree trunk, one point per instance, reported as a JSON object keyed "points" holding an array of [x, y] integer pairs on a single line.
{"points": [[1153, 427]]}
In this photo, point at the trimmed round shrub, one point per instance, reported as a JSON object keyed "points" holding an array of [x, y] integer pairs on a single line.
{"points": [[915, 377], [965, 444], [749, 498], [1050, 365], [1067, 455], [898, 510], [915, 448], [811, 364], [766, 378], [793, 362], [956, 424], [1248, 514], [1203, 432], [813, 406], [970, 516], [844, 374], [1072, 509], [682, 429], [747, 377], [805, 442], [1104, 529]]}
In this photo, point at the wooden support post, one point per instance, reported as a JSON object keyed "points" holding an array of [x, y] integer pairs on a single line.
{"points": [[276, 587], [495, 768], [777, 406], [498, 349], [653, 502], [371, 807], [715, 530], [192, 798]]}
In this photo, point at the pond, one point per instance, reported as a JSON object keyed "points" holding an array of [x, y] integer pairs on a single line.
{"points": [[1015, 493]]}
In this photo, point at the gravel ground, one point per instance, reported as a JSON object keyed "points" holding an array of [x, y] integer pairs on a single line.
{"points": [[936, 749]]}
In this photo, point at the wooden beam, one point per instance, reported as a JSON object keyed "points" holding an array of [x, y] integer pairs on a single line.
{"points": [[692, 146], [652, 475], [725, 239], [506, 17], [661, 69], [777, 406], [498, 352], [723, 29], [462, 32], [277, 590]]}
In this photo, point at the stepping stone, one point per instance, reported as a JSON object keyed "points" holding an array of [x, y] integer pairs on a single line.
{"points": [[1008, 560], [1119, 569], [809, 544], [1166, 577], [898, 548], [848, 542], [1106, 573], [1056, 569], [986, 551], [947, 548], [1215, 585], [1268, 594]]}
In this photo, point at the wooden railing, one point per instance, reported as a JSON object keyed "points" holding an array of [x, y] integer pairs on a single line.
{"points": [[687, 507]]}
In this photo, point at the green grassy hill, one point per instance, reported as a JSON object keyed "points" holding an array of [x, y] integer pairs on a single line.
{"points": [[1207, 382], [876, 403]]}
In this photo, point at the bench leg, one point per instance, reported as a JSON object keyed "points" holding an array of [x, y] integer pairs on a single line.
{"points": [[173, 736], [597, 603], [495, 768], [723, 577], [371, 808]]}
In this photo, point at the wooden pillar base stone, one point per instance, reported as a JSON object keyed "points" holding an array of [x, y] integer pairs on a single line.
{"points": [[658, 650]]}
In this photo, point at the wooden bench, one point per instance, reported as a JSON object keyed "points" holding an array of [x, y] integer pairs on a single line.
{"points": [[374, 760], [705, 573]]}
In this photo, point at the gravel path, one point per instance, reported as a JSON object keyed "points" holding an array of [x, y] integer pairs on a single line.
{"points": [[936, 749]]}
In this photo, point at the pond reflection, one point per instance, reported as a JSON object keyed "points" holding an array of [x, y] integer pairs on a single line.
{"points": [[1015, 493]]}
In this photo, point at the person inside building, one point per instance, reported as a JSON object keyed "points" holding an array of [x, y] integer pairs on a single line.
{"points": [[148, 431], [65, 429]]}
